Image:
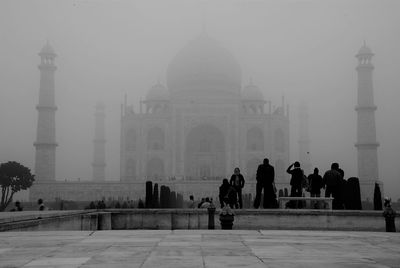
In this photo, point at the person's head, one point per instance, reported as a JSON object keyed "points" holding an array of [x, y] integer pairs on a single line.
{"points": [[225, 181], [296, 164], [316, 170], [387, 202], [203, 199], [191, 197], [266, 161], [17, 204], [236, 171], [40, 201], [208, 199], [335, 166]]}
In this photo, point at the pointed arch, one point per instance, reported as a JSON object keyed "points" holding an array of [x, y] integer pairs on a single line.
{"points": [[130, 170], [130, 139], [251, 168], [280, 168], [255, 139], [279, 140], [155, 139], [155, 169]]}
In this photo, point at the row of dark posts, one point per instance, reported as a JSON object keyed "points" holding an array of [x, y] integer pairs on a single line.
{"points": [[165, 199]]}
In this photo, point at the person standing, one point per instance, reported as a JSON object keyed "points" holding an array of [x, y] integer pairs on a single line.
{"points": [[17, 206], [227, 194], [332, 180], [315, 182], [41, 204], [296, 181], [191, 202], [315, 186], [237, 182], [265, 181]]}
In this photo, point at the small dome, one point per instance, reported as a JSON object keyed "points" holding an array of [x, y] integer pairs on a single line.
{"points": [[47, 49], [157, 92], [365, 50], [252, 92]]}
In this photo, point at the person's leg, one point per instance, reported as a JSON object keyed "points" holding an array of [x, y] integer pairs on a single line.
{"points": [[257, 200], [239, 192], [299, 193]]}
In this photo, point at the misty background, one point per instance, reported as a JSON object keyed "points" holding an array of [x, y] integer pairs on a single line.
{"points": [[301, 49]]}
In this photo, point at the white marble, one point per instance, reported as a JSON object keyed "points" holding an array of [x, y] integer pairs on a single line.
{"points": [[199, 248]]}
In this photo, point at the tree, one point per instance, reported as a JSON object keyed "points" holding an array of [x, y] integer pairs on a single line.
{"points": [[14, 177]]}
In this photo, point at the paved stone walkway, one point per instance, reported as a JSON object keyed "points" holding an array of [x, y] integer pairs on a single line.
{"points": [[199, 248]]}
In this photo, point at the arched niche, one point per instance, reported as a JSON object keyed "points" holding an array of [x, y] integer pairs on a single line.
{"points": [[251, 168], [255, 139], [155, 139], [130, 169], [155, 169], [130, 139], [279, 140], [205, 153], [279, 168]]}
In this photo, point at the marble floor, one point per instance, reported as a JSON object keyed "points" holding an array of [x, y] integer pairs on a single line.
{"points": [[199, 248]]}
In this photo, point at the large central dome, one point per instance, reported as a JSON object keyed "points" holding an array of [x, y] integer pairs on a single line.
{"points": [[204, 65]]}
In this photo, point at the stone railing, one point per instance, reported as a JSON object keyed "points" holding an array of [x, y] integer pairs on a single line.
{"points": [[250, 219]]}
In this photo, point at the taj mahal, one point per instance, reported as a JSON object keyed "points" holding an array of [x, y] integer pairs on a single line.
{"points": [[188, 134]]}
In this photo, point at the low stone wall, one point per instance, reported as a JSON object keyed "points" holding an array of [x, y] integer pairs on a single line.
{"points": [[48, 220], [167, 219]]}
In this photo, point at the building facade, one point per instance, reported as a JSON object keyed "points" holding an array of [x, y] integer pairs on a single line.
{"points": [[188, 135], [203, 124]]}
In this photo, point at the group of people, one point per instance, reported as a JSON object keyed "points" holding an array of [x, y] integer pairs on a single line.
{"points": [[230, 192]]}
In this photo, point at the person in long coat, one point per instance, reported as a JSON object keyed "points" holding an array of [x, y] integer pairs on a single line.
{"points": [[265, 182]]}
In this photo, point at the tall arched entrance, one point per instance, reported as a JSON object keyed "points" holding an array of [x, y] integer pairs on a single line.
{"points": [[205, 153]]}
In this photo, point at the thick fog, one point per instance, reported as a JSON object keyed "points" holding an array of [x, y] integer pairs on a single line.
{"points": [[303, 50]]}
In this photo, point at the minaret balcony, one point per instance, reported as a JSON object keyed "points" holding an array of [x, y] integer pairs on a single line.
{"points": [[365, 107], [367, 145]]}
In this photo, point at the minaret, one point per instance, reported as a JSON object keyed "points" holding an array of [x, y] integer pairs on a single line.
{"points": [[45, 158], [99, 155], [366, 131], [304, 140]]}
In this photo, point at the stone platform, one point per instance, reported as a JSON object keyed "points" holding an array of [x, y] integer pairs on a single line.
{"points": [[199, 248]]}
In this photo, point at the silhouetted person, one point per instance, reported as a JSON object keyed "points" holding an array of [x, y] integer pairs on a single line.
{"points": [[227, 194], [237, 181], [377, 197], [265, 179], [201, 202], [296, 182], [315, 185], [17, 206], [333, 180], [41, 204], [389, 215], [342, 189], [191, 202]]}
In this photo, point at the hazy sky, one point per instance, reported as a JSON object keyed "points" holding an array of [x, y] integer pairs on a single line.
{"points": [[302, 49]]}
